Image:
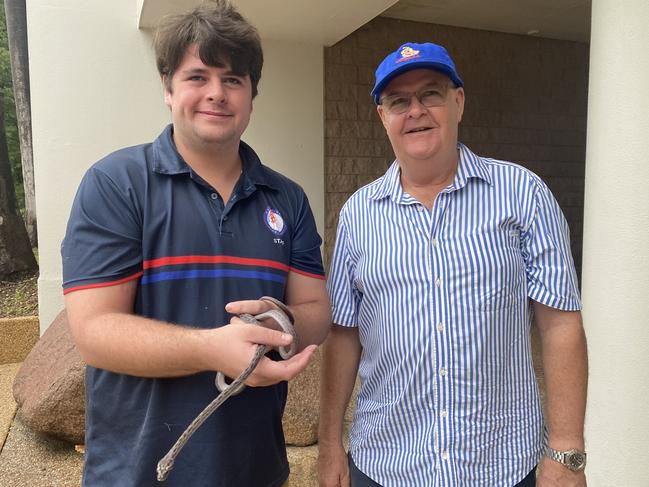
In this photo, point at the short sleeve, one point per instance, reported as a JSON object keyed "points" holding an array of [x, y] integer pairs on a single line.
{"points": [[345, 298], [103, 239], [550, 270], [306, 258]]}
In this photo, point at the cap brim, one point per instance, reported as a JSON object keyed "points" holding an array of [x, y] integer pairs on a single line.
{"points": [[442, 68]]}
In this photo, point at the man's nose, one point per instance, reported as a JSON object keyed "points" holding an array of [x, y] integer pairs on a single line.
{"points": [[416, 107], [216, 91]]}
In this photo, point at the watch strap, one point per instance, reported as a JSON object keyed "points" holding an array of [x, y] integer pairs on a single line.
{"points": [[573, 459]]}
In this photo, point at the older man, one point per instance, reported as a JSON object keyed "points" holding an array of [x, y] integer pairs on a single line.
{"points": [[438, 269]]}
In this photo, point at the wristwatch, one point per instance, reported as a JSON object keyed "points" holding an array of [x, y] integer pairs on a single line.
{"points": [[573, 459]]}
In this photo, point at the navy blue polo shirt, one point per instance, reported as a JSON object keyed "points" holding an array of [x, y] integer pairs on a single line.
{"points": [[142, 213]]}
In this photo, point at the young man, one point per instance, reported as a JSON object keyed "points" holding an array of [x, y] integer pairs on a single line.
{"points": [[437, 268], [166, 242]]}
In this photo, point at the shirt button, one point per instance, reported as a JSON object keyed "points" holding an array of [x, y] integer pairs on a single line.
{"points": [[442, 372], [214, 196], [438, 282], [420, 208], [445, 455], [434, 242], [440, 326], [443, 413]]}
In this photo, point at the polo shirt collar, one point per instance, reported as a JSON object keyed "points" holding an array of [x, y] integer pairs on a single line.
{"points": [[167, 160], [470, 166]]}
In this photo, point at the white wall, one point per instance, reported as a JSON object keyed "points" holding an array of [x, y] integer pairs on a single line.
{"points": [[95, 88], [616, 253]]}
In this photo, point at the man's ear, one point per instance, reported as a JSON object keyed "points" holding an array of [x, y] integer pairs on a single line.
{"points": [[459, 100], [382, 115], [165, 90]]}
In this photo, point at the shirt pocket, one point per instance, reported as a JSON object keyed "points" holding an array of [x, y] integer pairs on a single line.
{"points": [[488, 268]]}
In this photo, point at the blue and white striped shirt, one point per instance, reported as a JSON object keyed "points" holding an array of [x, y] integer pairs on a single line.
{"points": [[441, 298]]}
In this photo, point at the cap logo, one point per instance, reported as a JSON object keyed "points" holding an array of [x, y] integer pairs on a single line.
{"points": [[408, 52], [274, 221]]}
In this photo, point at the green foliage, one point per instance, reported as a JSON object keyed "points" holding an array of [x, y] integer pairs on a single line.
{"points": [[9, 110]]}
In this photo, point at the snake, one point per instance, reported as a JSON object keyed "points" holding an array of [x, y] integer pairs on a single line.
{"points": [[285, 319]]}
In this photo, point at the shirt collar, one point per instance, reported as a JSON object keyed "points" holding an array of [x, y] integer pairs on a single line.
{"points": [[167, 160], [389, 185], [470, 166]]}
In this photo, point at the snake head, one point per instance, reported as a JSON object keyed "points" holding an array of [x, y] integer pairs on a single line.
{"points": [[163, 469]]}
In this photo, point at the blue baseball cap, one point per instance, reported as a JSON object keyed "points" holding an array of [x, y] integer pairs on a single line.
{"points": [[414, 56]]}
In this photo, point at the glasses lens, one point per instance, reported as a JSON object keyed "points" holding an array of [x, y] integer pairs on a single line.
{"points": [[397, 104], [432, 97]]}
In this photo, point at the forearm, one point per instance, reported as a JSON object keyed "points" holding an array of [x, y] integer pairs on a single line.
{"points": [[340, 359], [312, 322], [109, 336], [565, 366], [134, 345], [308, 300]]}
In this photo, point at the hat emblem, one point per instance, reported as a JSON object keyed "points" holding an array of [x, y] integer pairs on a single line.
{"points": [[408, 52]]}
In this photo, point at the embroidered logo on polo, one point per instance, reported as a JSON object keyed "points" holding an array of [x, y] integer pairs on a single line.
{"points": [[274, 221], [407, 53]]}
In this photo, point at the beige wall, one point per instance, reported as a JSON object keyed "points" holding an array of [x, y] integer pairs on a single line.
{"points": [[525, 102], [95, 89], [287, 123]]}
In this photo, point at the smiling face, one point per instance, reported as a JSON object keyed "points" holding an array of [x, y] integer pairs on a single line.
{"points": [[210, 106], [421, 132]]}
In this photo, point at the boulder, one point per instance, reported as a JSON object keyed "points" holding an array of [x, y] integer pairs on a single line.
{"points": [[302, 406], [304, 466], [49, 388]]}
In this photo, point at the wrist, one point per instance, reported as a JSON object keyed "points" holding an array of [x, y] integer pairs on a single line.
{"points": [[329, 441], [205, 354], [566, 442], [573, 459]]}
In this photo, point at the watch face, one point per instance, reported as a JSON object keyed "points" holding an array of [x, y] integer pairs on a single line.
{"points": [[576, 460]]}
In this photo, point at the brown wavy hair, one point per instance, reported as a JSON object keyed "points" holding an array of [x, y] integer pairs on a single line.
{"points": [[223, 37]]}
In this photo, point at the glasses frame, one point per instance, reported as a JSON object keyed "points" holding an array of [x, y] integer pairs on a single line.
{"points": [[421, 98]]}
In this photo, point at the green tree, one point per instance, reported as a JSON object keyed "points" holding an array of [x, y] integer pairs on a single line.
{"points": [[9, 110], [15, 249]]}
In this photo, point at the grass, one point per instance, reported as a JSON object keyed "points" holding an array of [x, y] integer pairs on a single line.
{"points": [[19, 295]]}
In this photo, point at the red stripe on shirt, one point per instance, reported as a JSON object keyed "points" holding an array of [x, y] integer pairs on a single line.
{"points": [[213, 259], [103, 284]]}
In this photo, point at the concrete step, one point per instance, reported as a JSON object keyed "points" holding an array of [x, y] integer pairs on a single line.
{"points": [[17, 337]]}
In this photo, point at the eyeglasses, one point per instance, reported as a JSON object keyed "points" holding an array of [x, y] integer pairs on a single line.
{"points": [[399, 103]]}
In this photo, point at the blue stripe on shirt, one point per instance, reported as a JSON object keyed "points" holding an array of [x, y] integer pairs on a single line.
{"points": [[211, 274]]}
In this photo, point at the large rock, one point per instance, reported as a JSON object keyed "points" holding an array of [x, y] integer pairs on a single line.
{"points": [[302, 406], [304, 466], [49, 387]]}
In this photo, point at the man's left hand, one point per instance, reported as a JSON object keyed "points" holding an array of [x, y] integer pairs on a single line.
{"points": [[553, 474]]}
